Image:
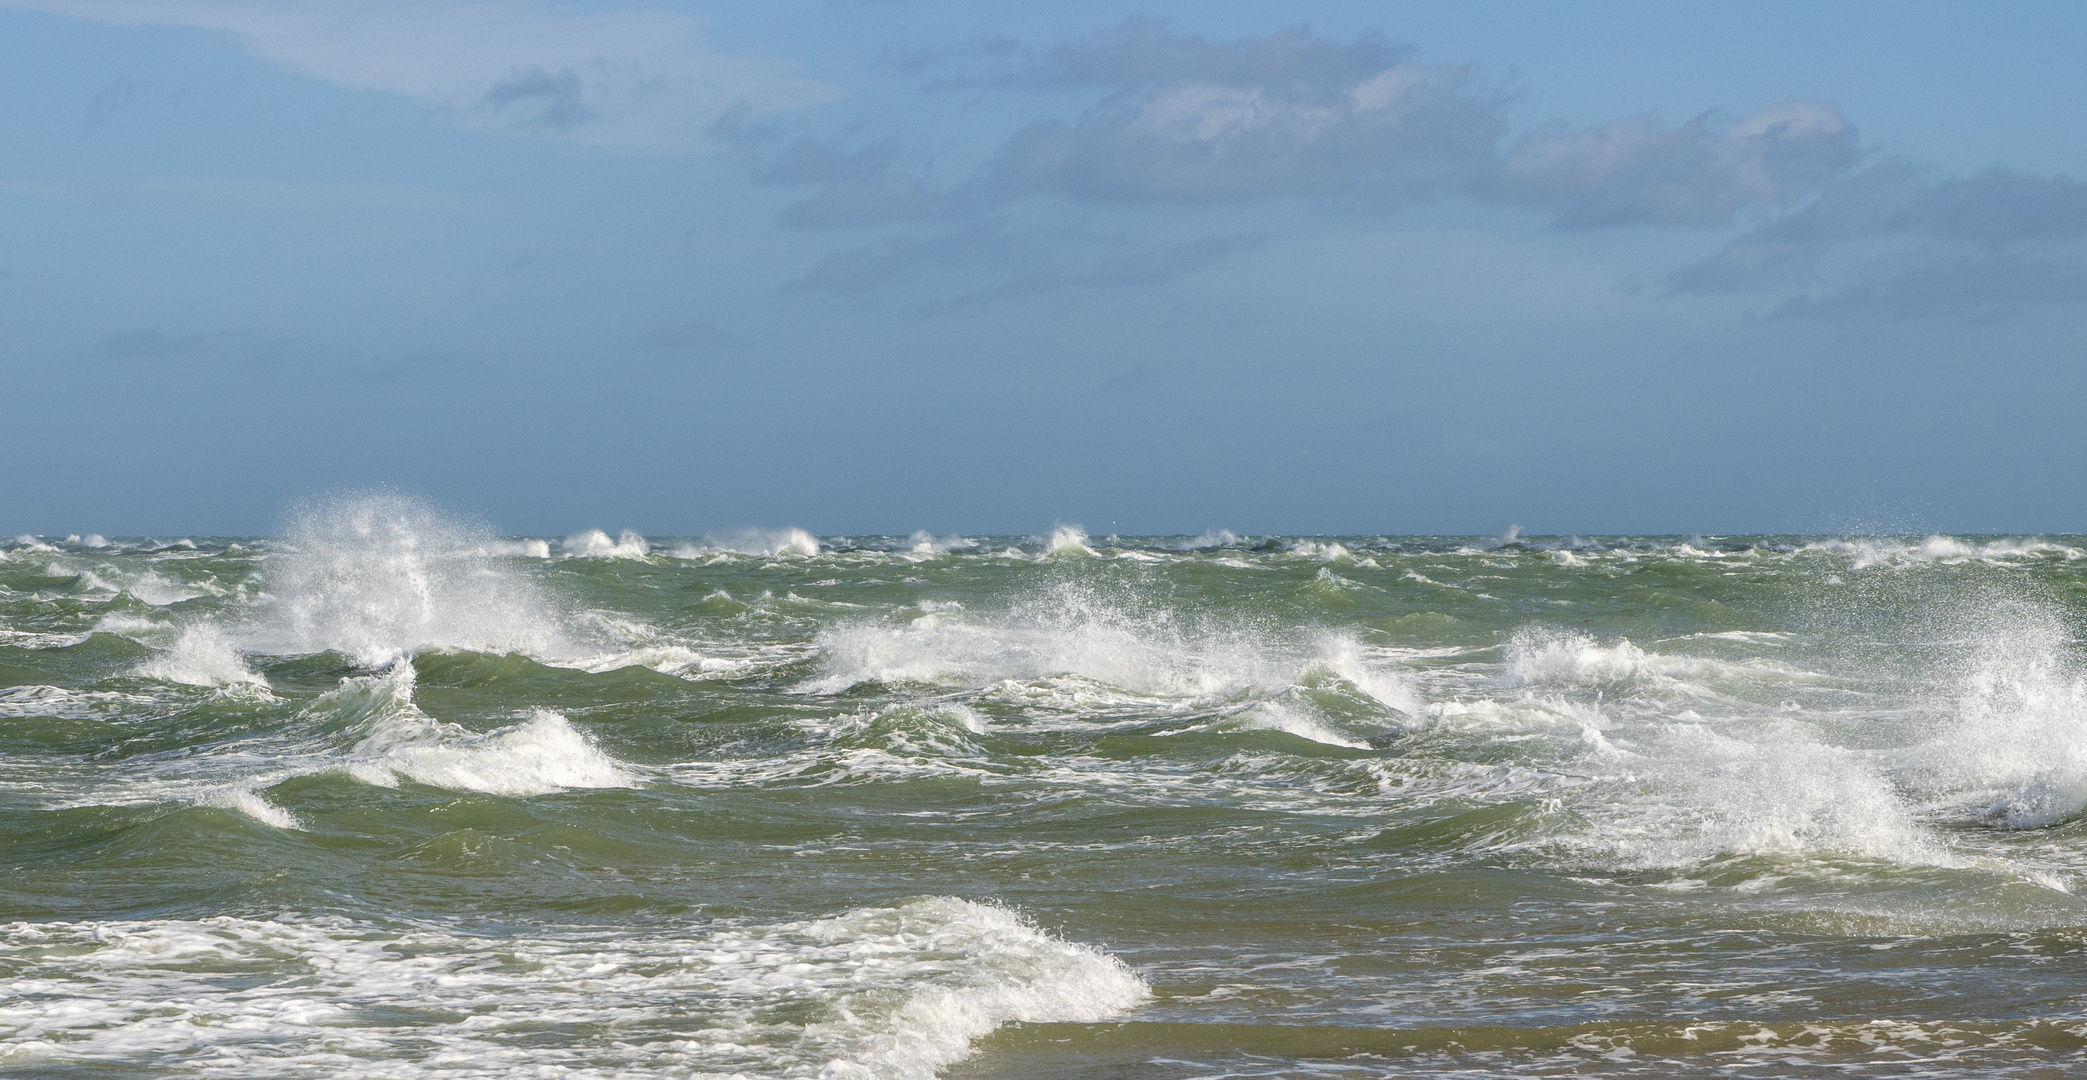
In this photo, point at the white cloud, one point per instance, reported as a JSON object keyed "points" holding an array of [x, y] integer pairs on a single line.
{"points": [[1289, 114], [1635, 172], [630, 79]]}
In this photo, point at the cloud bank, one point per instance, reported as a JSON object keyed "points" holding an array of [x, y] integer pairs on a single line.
{"points": [[1175, 120], [1633, 172], [1290, 114], [624, 79], [1979, 245]]}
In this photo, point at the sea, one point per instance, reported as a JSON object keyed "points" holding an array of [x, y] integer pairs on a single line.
{"points": [[390, 794]]}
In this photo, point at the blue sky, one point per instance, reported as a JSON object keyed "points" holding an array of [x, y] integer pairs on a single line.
{"points": [[880, 266]]}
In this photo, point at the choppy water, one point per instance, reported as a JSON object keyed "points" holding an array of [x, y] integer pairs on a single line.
{"points": [[389, 796]]}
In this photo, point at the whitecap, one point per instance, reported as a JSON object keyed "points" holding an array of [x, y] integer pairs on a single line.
{"points": [[595, 544], [542, 754], [1067, 633], [1067, 540], [1276, 716], [1540, 655], [902, 992], [924, 543], [378, 577], [203, 655]]}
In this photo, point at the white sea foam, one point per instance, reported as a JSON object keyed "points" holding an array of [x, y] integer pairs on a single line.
{"points": [[595, 544], [1067, 540], [1070, 632], [161, 592], [247, 801], [926, 544], [1344, 658], [524, 547], [1075, 653], [369, 728], [2016, 747], [1324, 552], [378, 577], [766, 543], [2010, 747], [1866, 552], [888, 993], [202, 655], [1538, 655], [1277, 716], [38, 700], [31, 639], [382, 577], [1696, 793], [542, 754]]}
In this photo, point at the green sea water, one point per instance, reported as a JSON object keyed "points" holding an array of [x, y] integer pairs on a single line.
{"points": [[389, 795]]}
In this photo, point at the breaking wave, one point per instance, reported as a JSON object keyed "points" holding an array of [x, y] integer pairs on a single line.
{"points": [[890, 993], [379, 577]]}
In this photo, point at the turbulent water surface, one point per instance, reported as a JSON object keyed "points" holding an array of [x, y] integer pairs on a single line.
{"points": [[390, 796]]}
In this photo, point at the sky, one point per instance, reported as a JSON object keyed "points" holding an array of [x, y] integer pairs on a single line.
{"points": [[878, 266]]}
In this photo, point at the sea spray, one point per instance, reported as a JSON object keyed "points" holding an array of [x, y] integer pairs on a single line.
{"points": [[913, 806], [379, 576]]}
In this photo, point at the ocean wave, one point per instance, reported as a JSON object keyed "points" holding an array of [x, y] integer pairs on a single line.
{"points": [[878, 993], [2014, 750], [595, 544], [543, 753], [1067, 540], [762, 543], [924, 543], [1864, 553], [1068, 632], [204, 654], [379, 577]]}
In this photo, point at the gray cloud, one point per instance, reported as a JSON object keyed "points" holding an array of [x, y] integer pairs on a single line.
{"points": [[539, 99], [1980, 287], [1185, 120], [1286, 115], [1159, 265], [1990, 243], [1633, 171], [605, 76], [1188, 121], [855, 187], [1860, 205], [1998, 206], [860, 271]]}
